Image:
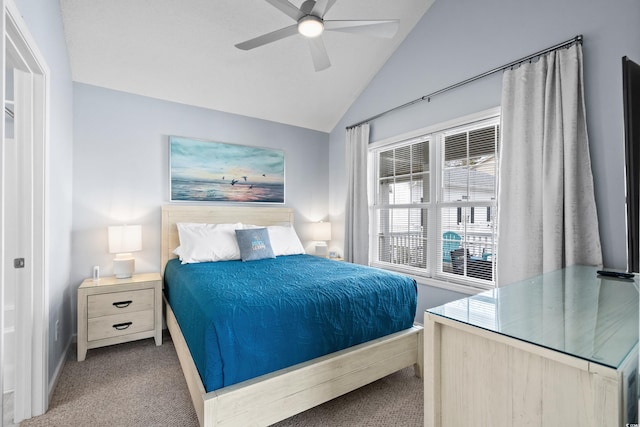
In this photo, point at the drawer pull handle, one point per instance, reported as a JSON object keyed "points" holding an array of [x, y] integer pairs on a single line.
{"points": [[122, 304], [122, 326]]}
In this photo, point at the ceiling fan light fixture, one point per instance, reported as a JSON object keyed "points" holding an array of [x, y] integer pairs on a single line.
{"points": [[310, 26]]}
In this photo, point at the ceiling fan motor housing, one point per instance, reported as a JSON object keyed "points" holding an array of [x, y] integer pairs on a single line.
{"points": [[310, 26]]}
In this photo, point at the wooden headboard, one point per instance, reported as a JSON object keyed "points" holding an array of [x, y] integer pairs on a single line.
{"points": [[172, 214]]}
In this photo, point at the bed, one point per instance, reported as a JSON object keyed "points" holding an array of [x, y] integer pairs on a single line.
{"points": [[274, 396]]}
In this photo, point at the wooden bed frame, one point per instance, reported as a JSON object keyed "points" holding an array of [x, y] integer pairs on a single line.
{"points": [[273, 397]]}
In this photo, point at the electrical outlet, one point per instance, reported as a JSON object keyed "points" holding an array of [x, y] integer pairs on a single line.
{"points": [[57, 334]]}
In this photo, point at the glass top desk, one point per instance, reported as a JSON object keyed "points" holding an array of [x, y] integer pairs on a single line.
{"points": [[564, 343]]}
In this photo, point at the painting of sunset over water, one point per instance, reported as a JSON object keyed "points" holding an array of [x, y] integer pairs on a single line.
{"points": [[209, 171]]}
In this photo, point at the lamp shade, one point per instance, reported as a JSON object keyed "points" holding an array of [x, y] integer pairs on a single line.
{"points": [[321, 231], [125, 238]]}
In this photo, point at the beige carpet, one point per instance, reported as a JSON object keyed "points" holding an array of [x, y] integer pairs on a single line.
{"points": [[139, 384]]}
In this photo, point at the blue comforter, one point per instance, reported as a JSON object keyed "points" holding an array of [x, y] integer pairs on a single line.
{"points": [[245, 319]]}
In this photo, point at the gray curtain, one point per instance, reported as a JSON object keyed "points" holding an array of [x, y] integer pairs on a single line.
{"points": [[547, 214], [356, 239]]}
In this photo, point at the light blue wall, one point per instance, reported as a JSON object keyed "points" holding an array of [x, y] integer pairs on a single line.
{"points": [[458, 39], [110, 147], [120, 172], [45, 25], [109, 163]]}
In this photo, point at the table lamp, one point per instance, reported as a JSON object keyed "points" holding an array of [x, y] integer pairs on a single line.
{"points": [[321, 233], [124, 239]]}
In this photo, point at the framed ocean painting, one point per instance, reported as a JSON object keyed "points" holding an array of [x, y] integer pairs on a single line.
{"points": [[207, 171]]}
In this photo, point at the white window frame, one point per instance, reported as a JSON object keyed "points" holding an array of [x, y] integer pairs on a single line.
{"points": [[432, 274]]}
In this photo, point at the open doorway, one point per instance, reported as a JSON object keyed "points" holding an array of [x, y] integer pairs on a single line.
{"points": [[23, 220]]}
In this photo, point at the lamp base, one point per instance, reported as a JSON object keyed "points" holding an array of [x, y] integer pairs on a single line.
{"points": [[322, 250], [123, 267]]}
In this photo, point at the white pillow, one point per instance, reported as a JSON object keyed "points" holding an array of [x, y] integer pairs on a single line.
{"points": [[207, 242], [284, 240]]}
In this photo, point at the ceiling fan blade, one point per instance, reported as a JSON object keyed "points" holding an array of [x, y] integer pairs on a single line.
{"points": [[381, 28], [319, 54], [269, 37], [321, 7], [287, 8]]}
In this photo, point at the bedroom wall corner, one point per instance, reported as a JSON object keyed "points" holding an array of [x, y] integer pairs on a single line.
{"points": [[121, 168]]}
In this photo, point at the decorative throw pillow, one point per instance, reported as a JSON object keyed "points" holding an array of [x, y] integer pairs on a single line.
{"points": [[284, 240], [254, 244]]}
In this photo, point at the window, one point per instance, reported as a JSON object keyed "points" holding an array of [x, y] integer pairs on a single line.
{"points": [[435, 202]]}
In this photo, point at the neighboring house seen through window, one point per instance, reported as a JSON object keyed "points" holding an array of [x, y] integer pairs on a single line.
{"points": [[434, 208]]}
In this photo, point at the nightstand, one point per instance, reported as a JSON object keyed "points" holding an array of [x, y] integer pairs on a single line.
{"points": [[113, 311]]}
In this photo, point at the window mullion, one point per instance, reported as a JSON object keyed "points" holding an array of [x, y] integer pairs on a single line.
{"points": [[433, 235]]}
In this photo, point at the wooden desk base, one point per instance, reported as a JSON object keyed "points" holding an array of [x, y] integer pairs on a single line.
{"points": [[481, 378]]}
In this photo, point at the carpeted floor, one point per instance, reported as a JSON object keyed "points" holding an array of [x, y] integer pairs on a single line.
{"points": [[139, 384]]}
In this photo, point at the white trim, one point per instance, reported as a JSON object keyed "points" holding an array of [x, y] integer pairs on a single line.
{"points": [[57, 373], [436, 282], [449, 286], [3, 256], [439, 127], [34, 313]]}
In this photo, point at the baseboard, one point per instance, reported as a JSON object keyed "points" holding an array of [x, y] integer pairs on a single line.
{"points": [[67, 353]]}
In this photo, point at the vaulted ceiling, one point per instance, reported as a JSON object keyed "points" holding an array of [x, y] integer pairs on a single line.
{"points": [[184, 51]]}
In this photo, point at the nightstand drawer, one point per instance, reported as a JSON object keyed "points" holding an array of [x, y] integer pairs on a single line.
{"points": [[120, 324], [115, 310], [120, 302]]}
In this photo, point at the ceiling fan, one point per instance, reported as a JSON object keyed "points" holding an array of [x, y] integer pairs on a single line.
{"points": [[311, 24]]}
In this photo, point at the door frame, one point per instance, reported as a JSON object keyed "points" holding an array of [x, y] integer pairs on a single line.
{"points": [[32, 309]]}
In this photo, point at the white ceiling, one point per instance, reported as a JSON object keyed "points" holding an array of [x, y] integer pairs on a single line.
{"points": [[183, 51]]}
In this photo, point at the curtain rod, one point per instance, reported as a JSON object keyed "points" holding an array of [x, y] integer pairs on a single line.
{"points": [[576, 39]]}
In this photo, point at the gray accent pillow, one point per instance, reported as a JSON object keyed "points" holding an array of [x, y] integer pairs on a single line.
{"points": [[254, 244]]}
